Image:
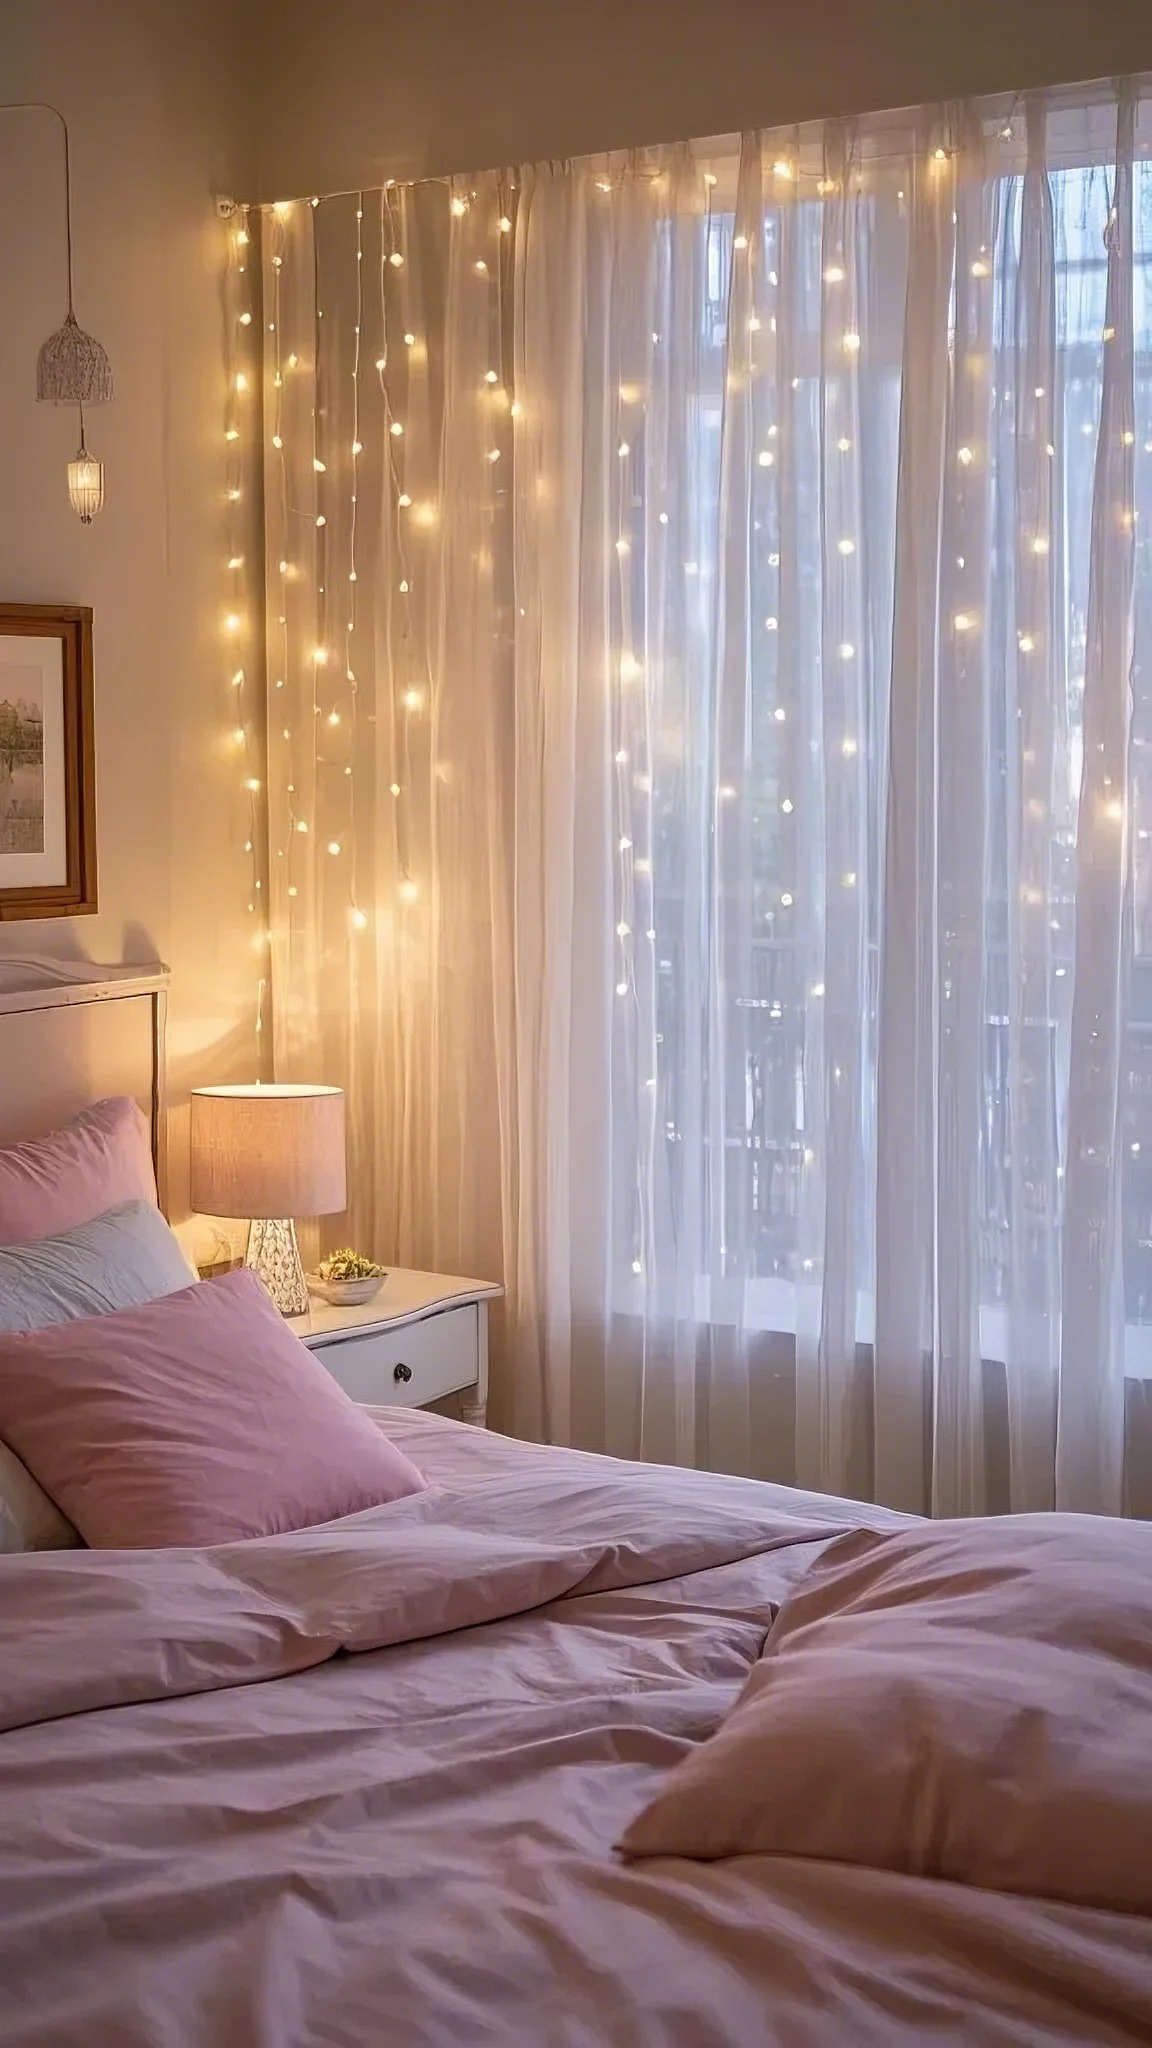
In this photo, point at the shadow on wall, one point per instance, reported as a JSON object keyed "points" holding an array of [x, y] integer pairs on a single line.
{"points": [[195, 1062]]}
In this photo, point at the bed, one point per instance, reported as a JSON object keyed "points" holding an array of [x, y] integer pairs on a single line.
{"points": [[362, 1784], [203, 1843]]}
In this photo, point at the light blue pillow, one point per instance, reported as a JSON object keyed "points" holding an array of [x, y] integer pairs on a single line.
{"points": [[123, 1258], [119, 1260]]}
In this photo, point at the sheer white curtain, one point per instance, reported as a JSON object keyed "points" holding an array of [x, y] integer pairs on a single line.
{"points": [[755, 962], [387, 479]]}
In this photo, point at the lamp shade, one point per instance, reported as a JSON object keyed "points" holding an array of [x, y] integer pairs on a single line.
{"points": [[275, 1151], [73, 369]]}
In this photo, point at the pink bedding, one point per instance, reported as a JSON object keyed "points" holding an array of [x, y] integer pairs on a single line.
{"points": [[964, 1699], [217, 1830]]}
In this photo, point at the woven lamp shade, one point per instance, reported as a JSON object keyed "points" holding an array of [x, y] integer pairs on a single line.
{"points": [[275, 1151], [73, 368]]}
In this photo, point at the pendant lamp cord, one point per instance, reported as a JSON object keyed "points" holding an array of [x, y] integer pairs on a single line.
{"points": [[45, 107]]}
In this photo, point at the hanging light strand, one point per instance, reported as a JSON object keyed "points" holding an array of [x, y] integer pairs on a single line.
{"points": [[395, 464], [274, 229], [239, 653], [843, 624], [405, 367], [350, 635], [503, 572], [319, 474]]}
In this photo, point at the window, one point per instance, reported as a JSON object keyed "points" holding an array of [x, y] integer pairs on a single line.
{"points": [[749, 849]]}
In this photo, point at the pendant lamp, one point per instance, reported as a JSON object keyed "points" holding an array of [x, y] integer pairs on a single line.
{"points": [[72, 367]]}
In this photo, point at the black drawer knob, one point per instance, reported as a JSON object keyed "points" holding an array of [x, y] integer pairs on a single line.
{"points": [[403, 1373]]}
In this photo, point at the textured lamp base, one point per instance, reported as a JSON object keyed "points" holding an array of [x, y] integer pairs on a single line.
{"points": [[274, 1254]]}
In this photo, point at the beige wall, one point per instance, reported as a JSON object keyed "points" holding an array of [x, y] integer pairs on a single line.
{"points": [[353, 91], [155, 99]]}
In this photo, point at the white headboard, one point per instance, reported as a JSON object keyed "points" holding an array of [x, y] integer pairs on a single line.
{"points": [[71, 1033]]}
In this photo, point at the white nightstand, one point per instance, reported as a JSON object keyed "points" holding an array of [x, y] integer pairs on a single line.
{"points": [[424, 1336]]}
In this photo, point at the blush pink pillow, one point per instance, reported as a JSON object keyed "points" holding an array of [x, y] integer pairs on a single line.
{"points": [[196, 1419], [966, 1700], [99, 1161]]}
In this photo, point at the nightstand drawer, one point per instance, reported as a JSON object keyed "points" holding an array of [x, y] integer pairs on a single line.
{"points": [[409, 1366]]}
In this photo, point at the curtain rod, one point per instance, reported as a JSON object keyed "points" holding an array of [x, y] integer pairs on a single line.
{"points": [[999, 105]]}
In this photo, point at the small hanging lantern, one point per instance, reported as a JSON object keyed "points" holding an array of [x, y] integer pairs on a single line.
{"points": [[85, 481]]}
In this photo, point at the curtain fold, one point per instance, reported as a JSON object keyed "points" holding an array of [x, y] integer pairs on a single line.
{"points": [[1030, 650], [1089, 1440], [708, 599], [925, 624]]}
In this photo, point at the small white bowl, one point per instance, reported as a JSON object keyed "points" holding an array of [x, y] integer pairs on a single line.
{"points": [[346, 1293]]}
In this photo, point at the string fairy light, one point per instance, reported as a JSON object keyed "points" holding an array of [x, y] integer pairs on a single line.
{"points": [[240, 446], [411, 698], [357, 918], [317, 655], [282, 365], [315, 460]]}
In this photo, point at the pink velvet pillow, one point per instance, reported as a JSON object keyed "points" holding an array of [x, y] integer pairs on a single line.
{"points": [[196, 1419], [100, 1160], [967, 1700]]}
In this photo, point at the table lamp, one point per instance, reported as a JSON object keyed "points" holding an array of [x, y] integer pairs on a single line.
{"points": [[270, 1153]]}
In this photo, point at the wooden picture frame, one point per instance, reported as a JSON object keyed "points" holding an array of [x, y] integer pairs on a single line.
{"points": [[47, 799]]}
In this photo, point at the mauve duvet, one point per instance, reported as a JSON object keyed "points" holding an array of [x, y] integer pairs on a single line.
{"points": [[219, 1830]]}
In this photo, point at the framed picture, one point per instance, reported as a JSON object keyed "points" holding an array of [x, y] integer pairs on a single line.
{"points": [[47, 762]]}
